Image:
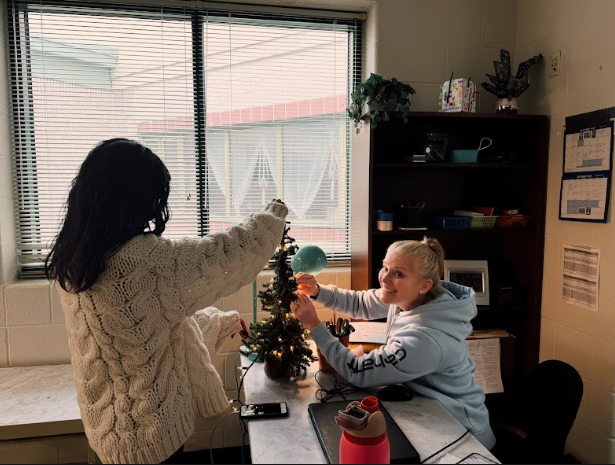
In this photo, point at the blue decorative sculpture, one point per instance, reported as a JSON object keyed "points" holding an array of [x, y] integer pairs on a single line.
{"points": [[309, 259]]}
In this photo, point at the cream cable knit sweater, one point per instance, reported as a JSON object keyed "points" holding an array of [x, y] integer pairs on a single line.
{"points": [[139, 345]]}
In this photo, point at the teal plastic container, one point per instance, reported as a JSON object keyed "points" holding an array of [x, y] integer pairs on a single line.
{"points": [[470, 155], [464, 156]]}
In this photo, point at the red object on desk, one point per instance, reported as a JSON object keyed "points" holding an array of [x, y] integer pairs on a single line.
{"points": [[370, 404], [323, 364], [369, 449]]}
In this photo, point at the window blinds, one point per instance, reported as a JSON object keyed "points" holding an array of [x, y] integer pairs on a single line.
{"points": [[242, 108]]}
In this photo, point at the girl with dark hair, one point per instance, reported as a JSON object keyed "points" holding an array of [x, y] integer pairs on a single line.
{"points": [[136, 305], [428, 321]]}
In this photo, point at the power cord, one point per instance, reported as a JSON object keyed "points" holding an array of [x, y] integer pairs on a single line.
{"points": [[239, 385], [338, 389], [213, 433], [242, 424], [243, 377], [446, 447]]}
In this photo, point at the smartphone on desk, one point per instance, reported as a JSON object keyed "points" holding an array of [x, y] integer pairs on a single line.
{"points": [[261, 411]]}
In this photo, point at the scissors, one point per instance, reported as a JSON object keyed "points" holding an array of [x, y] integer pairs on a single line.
{"points": [[340, 326]]}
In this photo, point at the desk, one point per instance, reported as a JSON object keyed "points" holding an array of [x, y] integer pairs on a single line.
{"points": [[425, 422]]}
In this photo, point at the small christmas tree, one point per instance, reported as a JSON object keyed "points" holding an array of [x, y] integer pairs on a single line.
{"points": [[280, 339]]}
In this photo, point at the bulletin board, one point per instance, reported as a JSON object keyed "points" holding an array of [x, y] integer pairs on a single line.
{"points": [[587, 167]]}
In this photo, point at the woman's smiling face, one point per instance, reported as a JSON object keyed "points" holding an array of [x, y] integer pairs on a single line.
{"points": [[399, 282]]}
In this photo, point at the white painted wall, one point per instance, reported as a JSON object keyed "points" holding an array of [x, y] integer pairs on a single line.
{"points": [[582, 30]]}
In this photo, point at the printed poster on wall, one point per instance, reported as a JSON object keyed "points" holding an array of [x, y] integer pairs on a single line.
{"points": [[581, 276]]}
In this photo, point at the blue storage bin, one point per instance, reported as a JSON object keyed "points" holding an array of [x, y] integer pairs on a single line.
{"points": [[450, 222]]}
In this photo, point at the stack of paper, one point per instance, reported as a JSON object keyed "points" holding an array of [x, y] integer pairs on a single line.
{"points": [[488, 333], [368, 331], [467, 213], [486, 356]]}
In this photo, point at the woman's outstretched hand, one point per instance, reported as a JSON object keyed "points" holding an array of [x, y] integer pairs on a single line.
{"points": [[306, 284], [243, 332], [305, 312]]}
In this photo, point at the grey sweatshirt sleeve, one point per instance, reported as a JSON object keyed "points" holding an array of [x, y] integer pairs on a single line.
{"points": [[409, 354], [364, 305]]}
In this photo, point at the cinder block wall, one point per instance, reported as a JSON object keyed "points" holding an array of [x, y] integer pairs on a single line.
{"points": [[422, 41], [583, 338]]}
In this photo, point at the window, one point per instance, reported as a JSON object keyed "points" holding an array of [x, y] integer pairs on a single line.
{"points": [[241, 107]]}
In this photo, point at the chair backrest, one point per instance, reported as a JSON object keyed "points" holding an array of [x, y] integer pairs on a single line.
{"points": [[553, 394]]}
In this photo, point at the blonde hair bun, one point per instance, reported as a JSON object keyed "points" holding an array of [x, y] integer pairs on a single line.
{"points": [[436, 248], [430, 254]]}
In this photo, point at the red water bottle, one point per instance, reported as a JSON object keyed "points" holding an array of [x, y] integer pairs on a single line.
{"points": [[370, 404], [364, 439]]}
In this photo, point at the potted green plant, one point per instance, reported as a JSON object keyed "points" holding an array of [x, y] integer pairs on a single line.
{"points": [[379, 99], [507, 87]]}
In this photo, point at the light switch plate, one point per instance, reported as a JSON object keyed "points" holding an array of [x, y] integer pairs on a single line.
{"points": [[554, 63]]}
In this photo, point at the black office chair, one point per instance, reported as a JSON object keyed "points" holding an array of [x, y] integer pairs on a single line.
{"points": [[547, 409]]}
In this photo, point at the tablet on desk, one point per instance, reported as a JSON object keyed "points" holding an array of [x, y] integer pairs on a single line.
{"points": [[323, 415]]}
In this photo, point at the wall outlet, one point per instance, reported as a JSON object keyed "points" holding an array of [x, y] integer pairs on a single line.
{"points": [[554, 63]]}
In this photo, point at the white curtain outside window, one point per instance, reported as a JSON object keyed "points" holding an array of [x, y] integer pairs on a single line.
{"points": [[303, 166]]}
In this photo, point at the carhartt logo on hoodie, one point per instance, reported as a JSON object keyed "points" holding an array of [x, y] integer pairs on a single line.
{"points": [[370, 364]]}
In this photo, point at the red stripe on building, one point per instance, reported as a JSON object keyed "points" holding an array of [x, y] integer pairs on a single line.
{"points": [[275, 112]]}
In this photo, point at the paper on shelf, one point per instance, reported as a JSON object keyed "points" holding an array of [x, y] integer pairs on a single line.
{"points": [[369, 331], [488, 333], [486, 356]]}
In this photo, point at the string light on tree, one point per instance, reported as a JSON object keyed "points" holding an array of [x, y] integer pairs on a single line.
{"points": [[279, 340]]}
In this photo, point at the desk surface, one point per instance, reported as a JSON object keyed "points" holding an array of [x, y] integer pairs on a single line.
{"points": [[427, 424]]}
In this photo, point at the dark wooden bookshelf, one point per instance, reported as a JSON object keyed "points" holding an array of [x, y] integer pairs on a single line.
{"points": [[442, 165], [512, 173]]}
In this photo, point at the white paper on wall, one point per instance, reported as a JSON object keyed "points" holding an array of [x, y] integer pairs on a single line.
{"points": [[581, 276]]}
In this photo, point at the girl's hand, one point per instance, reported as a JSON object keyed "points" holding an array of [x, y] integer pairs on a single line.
{"points": [[243, 332], [306, 284], [304, 311]]}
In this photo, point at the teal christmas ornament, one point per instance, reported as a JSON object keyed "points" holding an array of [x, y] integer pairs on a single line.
{"points": [[309, 259]]}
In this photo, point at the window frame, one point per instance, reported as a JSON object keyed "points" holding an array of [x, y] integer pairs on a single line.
{"points": [[24, 161]]}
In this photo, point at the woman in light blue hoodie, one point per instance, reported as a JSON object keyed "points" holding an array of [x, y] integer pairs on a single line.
{"points": [[428, 321]]}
